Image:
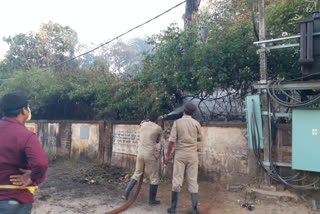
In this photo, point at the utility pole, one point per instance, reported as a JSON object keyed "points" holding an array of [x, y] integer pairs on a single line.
{"points": [[191, 10], [264, 96]]}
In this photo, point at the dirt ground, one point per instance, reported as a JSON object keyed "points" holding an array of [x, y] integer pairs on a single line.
{"points": [[60, 194]]}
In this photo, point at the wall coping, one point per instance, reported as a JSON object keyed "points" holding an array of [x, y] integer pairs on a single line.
{"points": [[225, 124], [66, 121], [86, 121], [119, 122]]}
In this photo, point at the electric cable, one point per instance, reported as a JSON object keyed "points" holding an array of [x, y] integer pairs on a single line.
{"points": [[117, 37], [282, 180], [299, 179], [293, 178], [109, 41], [274, 169], [284, 92], [253, 21], [255, 145], [297, 103], [274, 97], [273, 173]]}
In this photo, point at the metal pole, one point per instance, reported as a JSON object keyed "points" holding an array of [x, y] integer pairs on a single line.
{"points": [[262, 36], [264, 95]]}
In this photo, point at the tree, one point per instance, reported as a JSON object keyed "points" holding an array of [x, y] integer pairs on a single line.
{"points": [[213, 60], [220, 57], [51, 45], [284, 15], [57, 42], [24, 52]]}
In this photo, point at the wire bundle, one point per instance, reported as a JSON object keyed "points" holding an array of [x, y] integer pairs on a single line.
{"points": [[274, 86]]}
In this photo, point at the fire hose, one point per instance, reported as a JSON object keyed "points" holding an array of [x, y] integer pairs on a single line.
{"points": [[129, 203]]}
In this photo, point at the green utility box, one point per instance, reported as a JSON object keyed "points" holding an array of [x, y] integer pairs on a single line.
{"points": [[253, 102], [306, 139]]}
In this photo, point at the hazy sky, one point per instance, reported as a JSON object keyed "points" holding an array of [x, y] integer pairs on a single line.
{"points": [[95, 21]]}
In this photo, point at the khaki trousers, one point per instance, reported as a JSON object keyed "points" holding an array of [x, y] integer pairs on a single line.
{"points": [[185, 161], [151, 168]]}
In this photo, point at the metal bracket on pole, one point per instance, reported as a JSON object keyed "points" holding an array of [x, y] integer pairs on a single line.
{"points": [[265, 113], [263, 44], [266, 163]]}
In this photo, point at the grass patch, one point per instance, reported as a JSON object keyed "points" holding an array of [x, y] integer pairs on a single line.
{"points": [[88, 172], [92, 173], [102, 174]]}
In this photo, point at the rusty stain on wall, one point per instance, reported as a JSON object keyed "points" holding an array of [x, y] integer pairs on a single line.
{"points": [[224, 153], [48, 135], [85, 148]]}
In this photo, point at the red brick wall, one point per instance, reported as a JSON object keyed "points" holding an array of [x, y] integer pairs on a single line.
{"points": [[282, 144], [65, 137], [102, 141]]}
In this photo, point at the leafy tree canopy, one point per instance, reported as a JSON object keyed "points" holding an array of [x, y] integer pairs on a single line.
{"points": [[213, 59]]}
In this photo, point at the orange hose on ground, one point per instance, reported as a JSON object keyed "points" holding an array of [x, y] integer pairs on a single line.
{"points": [[129, 203]]}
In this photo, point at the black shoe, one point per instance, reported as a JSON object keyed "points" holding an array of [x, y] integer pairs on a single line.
{"points": [[130, 186], [194, 199], [153, 194], [174, 202]]}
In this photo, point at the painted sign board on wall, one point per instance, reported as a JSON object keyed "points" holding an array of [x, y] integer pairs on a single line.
{"points": [[126, 139]]}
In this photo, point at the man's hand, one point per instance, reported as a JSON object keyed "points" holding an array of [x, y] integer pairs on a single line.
{"points": [[170, 146], [142, 122], [158, 120], [22, 180]]}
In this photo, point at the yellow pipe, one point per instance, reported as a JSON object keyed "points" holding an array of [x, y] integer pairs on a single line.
{"points": [[30, 188]]}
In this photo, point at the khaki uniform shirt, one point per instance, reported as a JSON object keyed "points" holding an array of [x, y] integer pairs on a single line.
{"points": [[150, 135], [185, 133]]}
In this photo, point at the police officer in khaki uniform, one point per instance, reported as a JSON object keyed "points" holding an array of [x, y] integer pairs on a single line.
{"points": [[185, 134], [150, 135]]}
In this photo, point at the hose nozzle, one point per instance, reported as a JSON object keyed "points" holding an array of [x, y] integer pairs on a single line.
{"points": [[163, 116]]}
